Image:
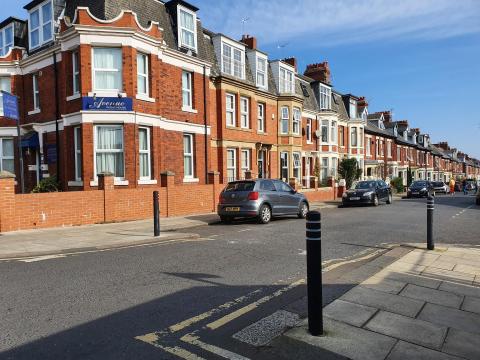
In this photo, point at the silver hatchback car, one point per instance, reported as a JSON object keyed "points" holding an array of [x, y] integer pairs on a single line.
{"points": [[262, 198]]}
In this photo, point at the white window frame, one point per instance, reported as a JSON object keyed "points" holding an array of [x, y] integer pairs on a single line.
{"points": [[285, 118], [353, 109], [3, 157], [287, 81], [36, 92], [77, 135], [286, 166], [190, 156], [187, 89], [229, 64], [5, 47], [325, 129], [230, 110], [145, 75], [297, 165], [41, 25], [147, 151], [8, 89], [261, 117], [324, 169], [181, 27], [75, 72], [261, 73], [245, 161], [244, 112], [234, 166], [354, 130], [297, 121], [308, 131], [377, 144], [95, 150], [367, 147], [325, 97], [389, 149], [94, 70], [333, 132]]}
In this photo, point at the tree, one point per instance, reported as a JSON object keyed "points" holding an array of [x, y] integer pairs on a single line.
{"points": [[349, 170], [409, 177]]}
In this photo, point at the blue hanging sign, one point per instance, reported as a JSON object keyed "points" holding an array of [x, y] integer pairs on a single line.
{"points": [[10, 106], [107, 104]]}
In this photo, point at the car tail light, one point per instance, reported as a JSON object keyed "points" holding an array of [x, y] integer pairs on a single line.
{"points": [[253, 195], [221, 199]]}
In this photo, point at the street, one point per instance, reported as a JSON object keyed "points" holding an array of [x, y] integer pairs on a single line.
{"points": [[98, 305]]}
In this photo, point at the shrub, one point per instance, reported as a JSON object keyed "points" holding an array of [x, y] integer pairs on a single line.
{"points": [[397, 184], [47, 185], [349, 170]]}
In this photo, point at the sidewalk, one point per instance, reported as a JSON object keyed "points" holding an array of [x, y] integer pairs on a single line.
{"points": [[426, 305]]}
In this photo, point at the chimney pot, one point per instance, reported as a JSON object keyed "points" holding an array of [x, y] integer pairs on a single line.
{"points": [[249, 41], [291, 61], [319, 72]]}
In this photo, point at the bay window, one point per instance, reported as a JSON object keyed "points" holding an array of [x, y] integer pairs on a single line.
{"points": [[308, 130], [261, 117], [284, 165], [107, 69], [297, 115], [77, 143], [334, 167], [245, 162], [333, 132], [230, 109], [244, 113], [233, 61], [144, 153], [360, 140], [354, 137], [40, 25], [109, 150], [367, 147], [324, 129], [297, 165], [286, 81], [324, 169], [187, 28], [5, 84], [7, 155], [341, 136], [231, 165], [142, 74], [188, 167], [284, 120], [187, 89], [75, 73], [325, 97], [6, 40]]}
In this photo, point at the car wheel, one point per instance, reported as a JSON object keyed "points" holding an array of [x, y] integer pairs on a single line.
{"points": [[226, 219], [375, 200], [265, 214], [390, 199], [302, 214]]}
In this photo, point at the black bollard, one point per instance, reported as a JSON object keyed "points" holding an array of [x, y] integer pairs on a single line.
{"points": [[314, 273], [156, 214], [430, 208]]}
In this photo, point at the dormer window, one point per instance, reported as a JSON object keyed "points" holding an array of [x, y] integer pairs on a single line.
{"points": [[261, 72], [187, 28], [325, 97], [286, 81], [233, 61], [353, 109], [40, 26], [6, 40]]}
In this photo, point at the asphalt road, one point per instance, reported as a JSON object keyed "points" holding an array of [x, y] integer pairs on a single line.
{"points": [[92, 306]]}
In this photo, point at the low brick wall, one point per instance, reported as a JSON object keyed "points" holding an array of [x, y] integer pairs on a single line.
{"points": [[110, 204]]}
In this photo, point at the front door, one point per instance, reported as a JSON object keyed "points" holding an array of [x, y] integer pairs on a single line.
{"points": [[261, 164]]}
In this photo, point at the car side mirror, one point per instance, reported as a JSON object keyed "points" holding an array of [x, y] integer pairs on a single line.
{"points": [[293, 191]]}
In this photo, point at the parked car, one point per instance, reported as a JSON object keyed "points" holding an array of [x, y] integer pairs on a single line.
{"points": [[440, 187], [420, 188], [477, 200], [368, 192], [470, 184], [261, 199]]}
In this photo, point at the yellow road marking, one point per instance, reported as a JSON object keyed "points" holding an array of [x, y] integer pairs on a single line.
{"points": [[194, 340], [237, 313]]}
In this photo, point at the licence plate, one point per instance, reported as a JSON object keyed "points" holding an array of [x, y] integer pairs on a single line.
{"points": [[354, 198], [414, 192], [232, 209]]}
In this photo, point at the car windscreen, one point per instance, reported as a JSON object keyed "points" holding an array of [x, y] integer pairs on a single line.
{"points": [[438, 184], [365, 185], [240, 186], [419, 184]]}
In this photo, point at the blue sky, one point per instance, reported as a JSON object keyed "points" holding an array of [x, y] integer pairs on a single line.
{"points": [[420, 58]]}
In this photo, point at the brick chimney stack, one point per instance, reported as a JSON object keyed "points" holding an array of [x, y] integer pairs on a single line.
{"points": [[387, 115], [249, 41], [291, 61], [319, 72], [403, 122], [443, 145], [362, 102]]}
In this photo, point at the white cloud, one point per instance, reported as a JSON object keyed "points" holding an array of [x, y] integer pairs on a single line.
{"points": [[334, 22]]}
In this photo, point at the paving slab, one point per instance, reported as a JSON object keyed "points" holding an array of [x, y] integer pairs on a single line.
{"points": [[443, 264], [459, 260], [462, 344], [409, 268], [404, 350], [461, 289], [420, 257], [447, 275], [432, 296], [411, 330], [469, 269], [265, 330], [453, 318], [471, 304], [346, 340], [350, 313], [381, 284], [410, 278], [384, 301], [360, 274]]}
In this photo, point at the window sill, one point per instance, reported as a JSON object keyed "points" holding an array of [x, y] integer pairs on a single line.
{"points": [[262, 133], [191, 180], [144, 97], [189, 109], [309, 142], [74, 97], [75, 183], [33, 112], [239, 128], [147, 182], [116, 182], [106, 93]]}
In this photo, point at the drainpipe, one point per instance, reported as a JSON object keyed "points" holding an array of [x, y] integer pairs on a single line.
{"points": [[57, 115], [205, 119]]}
